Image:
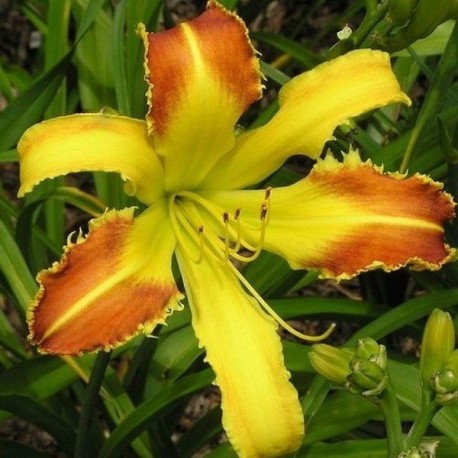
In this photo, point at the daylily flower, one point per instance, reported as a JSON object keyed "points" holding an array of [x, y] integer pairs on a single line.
{"points": [[188, 167]]}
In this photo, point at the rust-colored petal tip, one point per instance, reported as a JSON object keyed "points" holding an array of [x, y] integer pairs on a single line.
{"points": [[90, 300], [418, 197]]}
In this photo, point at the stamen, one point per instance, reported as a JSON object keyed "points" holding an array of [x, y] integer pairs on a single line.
{"points": [[184, 218], [228, 231], [267, 194], [260, 244], [201, 244], [226, 235], [178, 232], [238, 230], [263, 211], [275, 316]]}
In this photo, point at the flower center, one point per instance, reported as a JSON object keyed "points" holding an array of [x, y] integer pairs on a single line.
{"points": [[203, 228], [215, 230]]}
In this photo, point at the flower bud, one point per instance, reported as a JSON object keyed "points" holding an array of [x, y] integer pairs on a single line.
{"points": [[399, 11], [424, 17], [366, 378], [437, 345], [331, 362], [427, 449], [445, 382], [413, 452], [368, 349]]}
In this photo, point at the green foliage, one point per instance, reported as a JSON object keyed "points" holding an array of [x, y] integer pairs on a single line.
{"points": [[129, 403]]}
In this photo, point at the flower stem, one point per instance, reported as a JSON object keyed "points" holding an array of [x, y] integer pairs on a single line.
{"points": [[428, 409], [374, 14], [92, 390], [389, 407]]}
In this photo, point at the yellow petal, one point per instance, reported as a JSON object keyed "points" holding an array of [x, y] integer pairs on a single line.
{"points": [[262, 415], [312, 105], [108, 286], [91, 142], [348, 217], [203, 74]]}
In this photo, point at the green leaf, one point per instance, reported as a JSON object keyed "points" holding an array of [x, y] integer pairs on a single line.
{"points": [[32, 411], [229, 4], [28, 108], [9, 156], [271, 275], [9, 338], [15, 269], [274, 74], [138, 420], [407, 313], [288, 46], [433, 44], [14, 450], [119, 62], [408, 389], [174, 354], [38, 378], [202, 432]]}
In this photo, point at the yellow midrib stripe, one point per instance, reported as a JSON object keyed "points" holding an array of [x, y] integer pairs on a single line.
{"points": [[378, 219], [79, 306]]}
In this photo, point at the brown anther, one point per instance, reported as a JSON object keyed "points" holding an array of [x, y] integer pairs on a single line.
{"points": [[225, 217], [237, 213], [263, 211], [267, 193], [201, 229]]}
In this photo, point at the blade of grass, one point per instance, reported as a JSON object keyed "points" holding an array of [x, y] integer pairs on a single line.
{"points": [[9, 338], [30, 410], [14, 450], [138, 420], [147, 12], [443, 77], [288, 46], [118, 60], [84, 446], [15, 269], [28, 108], [9, 156]]}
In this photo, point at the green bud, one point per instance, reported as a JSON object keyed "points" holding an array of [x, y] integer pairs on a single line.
{"points": [[445, 382], [437, 345], [369, 350], [413, 452], [427, 449], [331, 362], [366, 378], [426, 16], [399, 11]]}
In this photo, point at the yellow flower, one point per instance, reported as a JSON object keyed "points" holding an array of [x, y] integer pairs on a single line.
{"points": [[188, 166]]}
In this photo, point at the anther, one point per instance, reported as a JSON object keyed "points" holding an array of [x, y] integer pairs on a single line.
{"points": [[263, 211], [267, 193], [238, 242], [201, 244], [226, 235]]}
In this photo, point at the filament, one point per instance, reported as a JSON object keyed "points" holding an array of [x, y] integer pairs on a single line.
{"points": [[276, 317]]}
